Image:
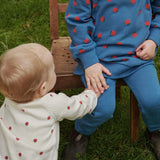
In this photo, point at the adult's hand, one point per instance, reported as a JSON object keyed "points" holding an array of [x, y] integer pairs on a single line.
{"points": [[95, 79]]}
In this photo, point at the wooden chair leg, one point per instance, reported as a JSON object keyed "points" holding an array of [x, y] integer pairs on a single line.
{"points": [[135, 118], [118, 92]]}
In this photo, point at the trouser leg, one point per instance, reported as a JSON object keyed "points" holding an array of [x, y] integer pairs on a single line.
{"points": [[145, 85], [103, 111]]}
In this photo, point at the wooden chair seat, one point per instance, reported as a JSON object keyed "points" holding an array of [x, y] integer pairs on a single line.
{"points": [[65, 65]]}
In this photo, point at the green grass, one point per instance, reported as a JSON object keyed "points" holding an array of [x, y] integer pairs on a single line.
{"points": [[25, 21]]}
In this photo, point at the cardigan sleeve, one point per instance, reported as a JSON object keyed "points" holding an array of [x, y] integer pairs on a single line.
{"points": [[155, 23], [80, 23], [63, 107]]}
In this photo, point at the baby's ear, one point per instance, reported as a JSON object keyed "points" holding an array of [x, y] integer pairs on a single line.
{"points": [[42, 89]]}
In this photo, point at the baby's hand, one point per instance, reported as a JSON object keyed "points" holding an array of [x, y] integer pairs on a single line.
{"points": [[146, 50]]}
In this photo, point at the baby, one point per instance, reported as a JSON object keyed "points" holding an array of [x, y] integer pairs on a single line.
{"points": [[30, 114]]}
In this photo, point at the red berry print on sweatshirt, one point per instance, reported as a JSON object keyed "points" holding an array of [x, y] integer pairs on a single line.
{"points": [[147, 23], [48, 118], [129, 53], [17, 139], [67, 15], [108, 0], [68, 107], [27, 123], [133, 1], [119, 43], [80, 102], [41, 153], [74, 30], [20, 154], [23, 110], [51, 95], [6, 157], [134, 35], [35, 140], [113, 33], [115, 9], [10, 128], [114, 56], [147, 6], [86, 40], [88, 1], [77, 18], [124, 59], [139, 12], [127, 21], [90, 32], [94, 5], [81, 51], [105, 46], [102, 19], [74, 3], [99, 35]]}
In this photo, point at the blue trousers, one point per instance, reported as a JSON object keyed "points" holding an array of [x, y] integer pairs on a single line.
{"points": [[144, 84]]}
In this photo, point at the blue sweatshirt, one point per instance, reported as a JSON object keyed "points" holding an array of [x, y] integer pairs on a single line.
{"points": [[109, 31]]}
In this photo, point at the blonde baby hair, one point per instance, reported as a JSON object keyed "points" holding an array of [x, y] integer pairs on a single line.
{"points": [[22, 71]]}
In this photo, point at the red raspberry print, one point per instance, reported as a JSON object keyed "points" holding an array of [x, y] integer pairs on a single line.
{"points": [[41, 153], [89, 32], [75, 45], [90, 110], [68, 107], [6, 157], [35, 140], [108, 0], [127, 21], [74, 3], [102, 19], [23, 110], [139, 12], [155, 26], [17, 139], [134, 35], [95, 5], [27, 123], [119, 43], [115, 9], [88, 1], [74, 30], [99, 35], [147, 23], [10, 128], [52, 131], [5, 105], [80, 102], [129, 52], [105, 46], [124, 59], [51, 95], [113, 33], [135, 56], [81, 51], [86, 96], [77, 18], [147, 6], [133, 1], [86, 40], [19, 154], [67, 15], [114, 56], [48, 117]]}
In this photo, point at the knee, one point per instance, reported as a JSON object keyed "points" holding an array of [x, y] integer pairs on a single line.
{"points": [[152, 103], [105, 111]]}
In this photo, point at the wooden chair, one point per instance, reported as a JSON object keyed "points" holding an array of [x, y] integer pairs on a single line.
{"points": [[65, 66]]}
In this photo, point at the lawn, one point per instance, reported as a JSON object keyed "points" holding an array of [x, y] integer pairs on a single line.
{"points": [[25, 21]]}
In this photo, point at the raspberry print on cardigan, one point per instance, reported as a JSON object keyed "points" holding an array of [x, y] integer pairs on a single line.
{"points": [[103, 29]]}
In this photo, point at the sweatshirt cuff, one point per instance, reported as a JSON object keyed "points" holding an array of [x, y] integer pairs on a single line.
{"points": [[88, 58], [154, 35]]}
